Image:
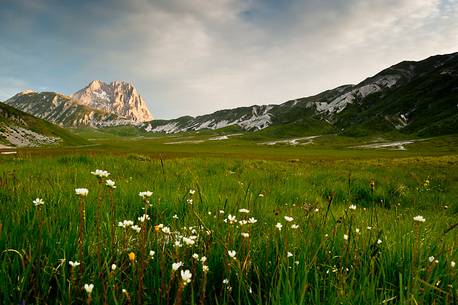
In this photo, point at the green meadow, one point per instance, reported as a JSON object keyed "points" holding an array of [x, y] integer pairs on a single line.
{"points": [[234, 221]]}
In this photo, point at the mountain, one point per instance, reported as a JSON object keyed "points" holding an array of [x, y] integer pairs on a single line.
{"points": [[409, 97], [116, 97], [98, 104], [20, 129]]}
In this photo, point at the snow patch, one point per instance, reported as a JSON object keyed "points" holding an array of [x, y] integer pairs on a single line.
{"points": [[397, 145], [293, 142]]}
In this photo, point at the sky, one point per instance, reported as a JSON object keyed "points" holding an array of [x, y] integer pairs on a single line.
{"points": [[194, 57]]}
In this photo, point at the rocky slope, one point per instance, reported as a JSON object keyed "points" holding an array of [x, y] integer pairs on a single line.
{"points": [[97, 105], [19, 129], [120, 98], [408, 97]]}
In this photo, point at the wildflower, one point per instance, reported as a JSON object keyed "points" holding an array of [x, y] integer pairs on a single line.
{"points": [[379, 241], [113, 267], [151, 253], [189, 201], [221, 211], [232, 253], [431, 259], [296, 262], [452, 264], [279, 226], [37, 202], [357, 231], [110, 183], [124, 291], [74, 264], [195, 256], [82, 192], [352, 207], [205, 268], [289, 254], [176, 266], [226, 281], [99, 173], [294, 226], [231, 219], [186, 276], [143, 218], [131, 257], [244, 211], [252, 220], [317, 210], [166, 230], [192, 192], [369, 228], [289, 219], [145, 195], [245, 235], [203, 259], [345, 237], [136, 228], [188, 241], [419, 218], [177, 244], [243, 222], [261, 195], [88, 288]]}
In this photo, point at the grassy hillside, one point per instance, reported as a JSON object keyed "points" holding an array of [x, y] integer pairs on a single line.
{"points": [[11, 117]]}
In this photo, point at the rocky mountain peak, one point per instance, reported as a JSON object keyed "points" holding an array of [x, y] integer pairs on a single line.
{"points": [[118, 97]]}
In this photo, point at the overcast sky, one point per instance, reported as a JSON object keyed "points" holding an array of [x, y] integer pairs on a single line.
{"points": [[193, 57]]}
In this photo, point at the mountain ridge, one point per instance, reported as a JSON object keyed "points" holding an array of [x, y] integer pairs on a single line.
{"points": [[331, 108], [91, 106]]}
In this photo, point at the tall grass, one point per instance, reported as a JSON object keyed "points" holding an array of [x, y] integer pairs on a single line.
{"points": [[328, 253]]}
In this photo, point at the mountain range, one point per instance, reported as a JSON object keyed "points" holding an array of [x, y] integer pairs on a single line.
{"points": [[98, 104], [409, 97], [412, 97]]}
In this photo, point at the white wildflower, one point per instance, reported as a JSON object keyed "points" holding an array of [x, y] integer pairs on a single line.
{"points": [[37, 202], [186, 276], [74, 264], [294, 226], [419, 218], [232, 253], [245, 235], [110, 183], [252, 220], [99, 173], [145, 195], [176, 266], [82, 192], [352, 207], [88, 288], [136, 228], [205, 268], [289, 219], [244, 211], [279, 226]]}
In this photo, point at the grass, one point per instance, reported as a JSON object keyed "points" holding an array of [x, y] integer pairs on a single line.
{"points": [[387, 263]]}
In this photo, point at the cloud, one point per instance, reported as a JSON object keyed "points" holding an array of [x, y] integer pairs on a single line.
{"points": [[194, 57]]}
